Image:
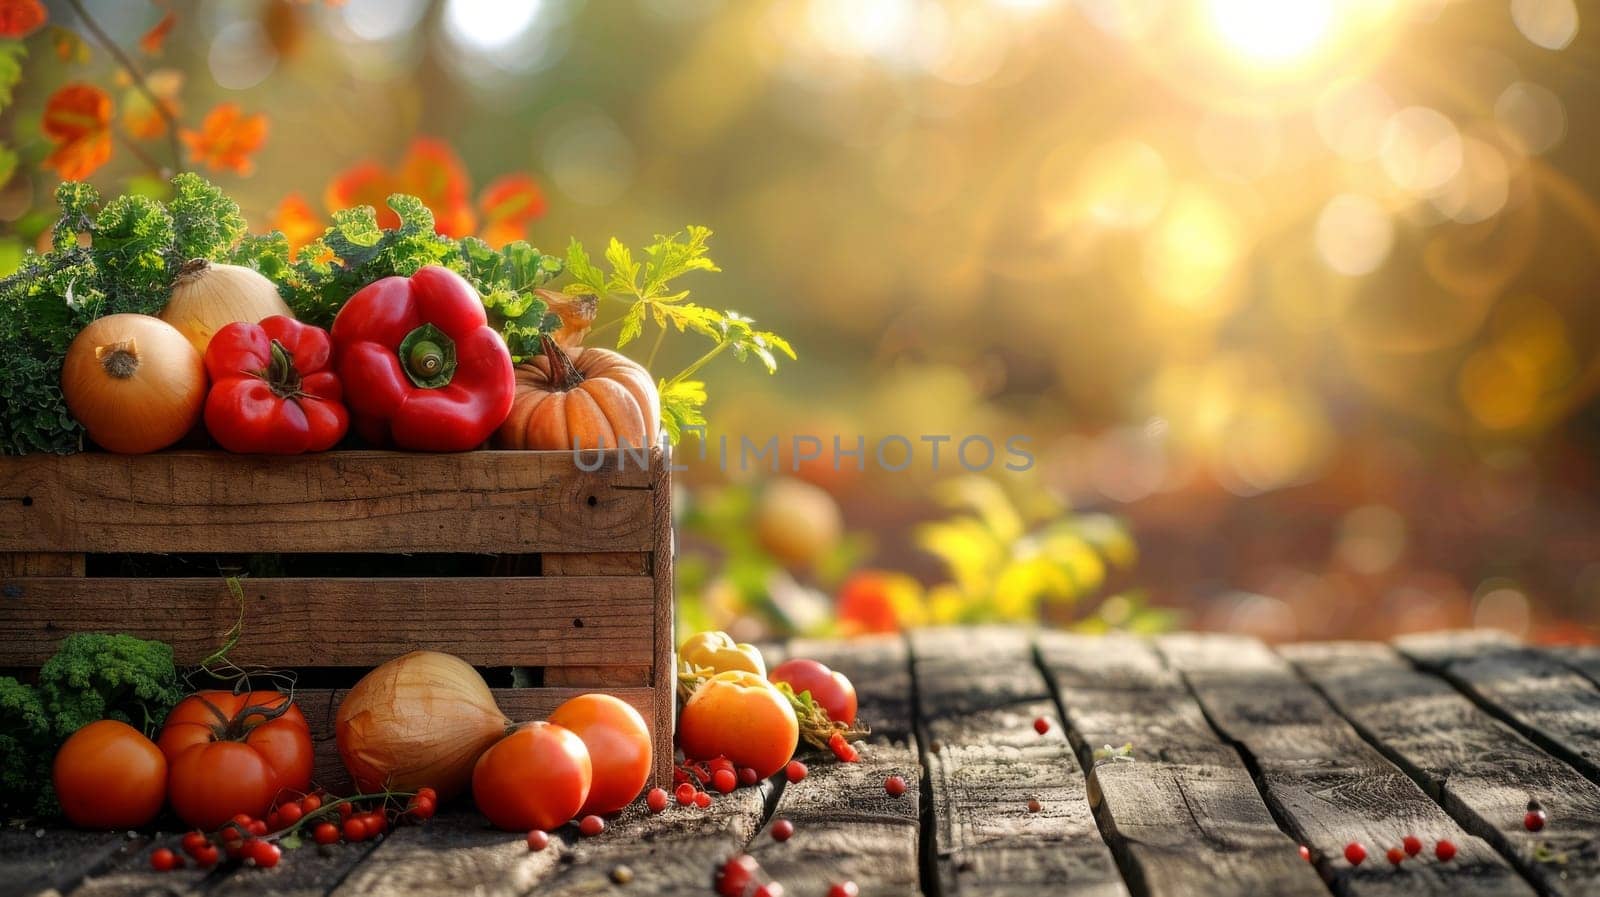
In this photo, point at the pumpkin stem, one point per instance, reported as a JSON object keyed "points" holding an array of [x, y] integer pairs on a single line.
{"points": [[564, 375], [120, 359]]}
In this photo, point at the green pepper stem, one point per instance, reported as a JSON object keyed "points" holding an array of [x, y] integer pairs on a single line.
{"points": [[428, 356]]}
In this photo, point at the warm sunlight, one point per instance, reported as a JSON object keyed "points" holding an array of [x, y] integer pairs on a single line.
{"points": [[1273, 31]]}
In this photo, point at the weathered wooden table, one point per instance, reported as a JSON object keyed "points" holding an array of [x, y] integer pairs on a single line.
{"points": [[1238, 754]]}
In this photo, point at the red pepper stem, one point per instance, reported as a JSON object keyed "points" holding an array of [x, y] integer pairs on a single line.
{"points": [[564, 375], [428, 356]]}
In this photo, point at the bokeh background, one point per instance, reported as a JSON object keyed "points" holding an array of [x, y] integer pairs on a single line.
{"points": [[1295, 301]]}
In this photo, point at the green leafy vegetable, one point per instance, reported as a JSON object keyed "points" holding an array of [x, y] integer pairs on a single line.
{"points": [[648, 290], [92, 676], [12, 52]]}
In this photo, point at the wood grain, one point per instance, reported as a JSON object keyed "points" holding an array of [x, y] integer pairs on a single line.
{"points": [[358, 501], [1542, 697], [664, 673], [49, 862], [530, 621], [1323, 781], [978, 693], [1478, 768], [321, 705], [1184, 817], [41, 564], [846, 826], [455, 853]]}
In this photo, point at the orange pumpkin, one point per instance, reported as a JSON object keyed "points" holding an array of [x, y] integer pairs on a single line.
{"points": [[591, 399]]}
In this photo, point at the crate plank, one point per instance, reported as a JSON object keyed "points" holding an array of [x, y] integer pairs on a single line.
{"points": [[1184, 816], [1546, 700], [321, 705], [1477, 767], [977, 695], [664, 675], [846, 825], [41, 564], [357, 501], [1323, 781], [531, 621]]}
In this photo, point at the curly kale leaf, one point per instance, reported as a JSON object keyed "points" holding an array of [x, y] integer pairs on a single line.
{"points": [[206, 222], [133, 248], [508, 279], [26, 746], [97, 676]]}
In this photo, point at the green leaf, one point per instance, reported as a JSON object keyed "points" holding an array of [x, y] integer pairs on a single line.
{"points": [[12, 52], [8, 164], [681, 405], [357, 227], [206, 221]]}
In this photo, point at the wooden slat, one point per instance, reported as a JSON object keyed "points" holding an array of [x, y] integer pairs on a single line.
{"points": [[1549, 702], [978, 693], [320, 705], [846, 826], [607, 563], [664, 674], [1478, 768], [1184, 816], [531, 621], [41, 564], [55, 863], [1324, 782], [456, 853], [307, 872], [359, 501]]}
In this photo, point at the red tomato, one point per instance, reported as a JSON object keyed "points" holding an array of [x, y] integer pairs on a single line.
{"points": [[535, 778], [108, 775], [740, 716], [619, 748], [829, 689], [231, 754]]}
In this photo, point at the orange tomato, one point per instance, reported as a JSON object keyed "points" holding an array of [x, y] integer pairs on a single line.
{"points": [[535, 778], [231, 754], [619, 748], [109, 776], [740, 716], [830, 689]]}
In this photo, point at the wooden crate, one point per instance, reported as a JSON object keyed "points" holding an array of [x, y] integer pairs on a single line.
{"points": [[563, 573]]}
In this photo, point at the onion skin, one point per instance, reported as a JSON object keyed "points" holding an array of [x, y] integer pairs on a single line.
{"points": [[209, 296], [421, 720], [135, 383]]}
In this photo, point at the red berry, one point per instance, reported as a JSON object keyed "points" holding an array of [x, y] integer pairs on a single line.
{"points": [[422, 807], [895, 785], [656, 800], [1305, 853], [591, 825], [1034, 806], [1041, 725], [686, 794], [1534, 820], [702, 799], [355, 829], [795, 771], [311, 803], [1395, 855], [736, 875], [782, 830], [206, 857], [346, 811], [164, 860], [748, 776], [844, 889], [1412, 844], [429, 793], [1354, 853], [193, 841], [325, 833], [1445, 851], [724, 780], [263, 853], [538, 839], [290, 813]]}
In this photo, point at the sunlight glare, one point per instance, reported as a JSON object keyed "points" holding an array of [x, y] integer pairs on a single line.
{"points": [[489, 24], [1273, 31]]}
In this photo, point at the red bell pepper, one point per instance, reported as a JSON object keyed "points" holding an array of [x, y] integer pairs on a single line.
{"points": [[272, 389], [422, 368]]}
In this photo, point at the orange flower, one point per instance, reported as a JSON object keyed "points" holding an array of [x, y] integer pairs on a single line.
{"points": [[509, 204], [77, 119], [226, 139], [878, 601], [299, 223], [20, 18], [156, 37], [140, 116], [430, 171]]}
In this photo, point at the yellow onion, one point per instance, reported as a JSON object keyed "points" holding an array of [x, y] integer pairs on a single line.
{"points": [[419, 720], [134, 383], [208, 296]]}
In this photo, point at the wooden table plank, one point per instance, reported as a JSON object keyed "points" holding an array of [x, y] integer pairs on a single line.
{"points": [[846, 826], [454, 853], [978, 693], [1185, 816], [1323, 781], [1477, 767], [1549, 702], [40, 861]]}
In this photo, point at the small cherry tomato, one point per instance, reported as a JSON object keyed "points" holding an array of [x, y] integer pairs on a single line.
{"points": [[1354, 853], [263, 853], [844, 889], [1395, 855], [591, 825], [737, 875], [795, 771], [1412, 844], [724, 780], [656, 800], [162, 859], [685, 794], [1445, 851], [355, 829], [895, 785], [538, 839], [325, 833], [702, 799], [782, 830], [311, 803], [289, 814], [207, 856], [830, 689], [747, 776], [193, 841]]}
